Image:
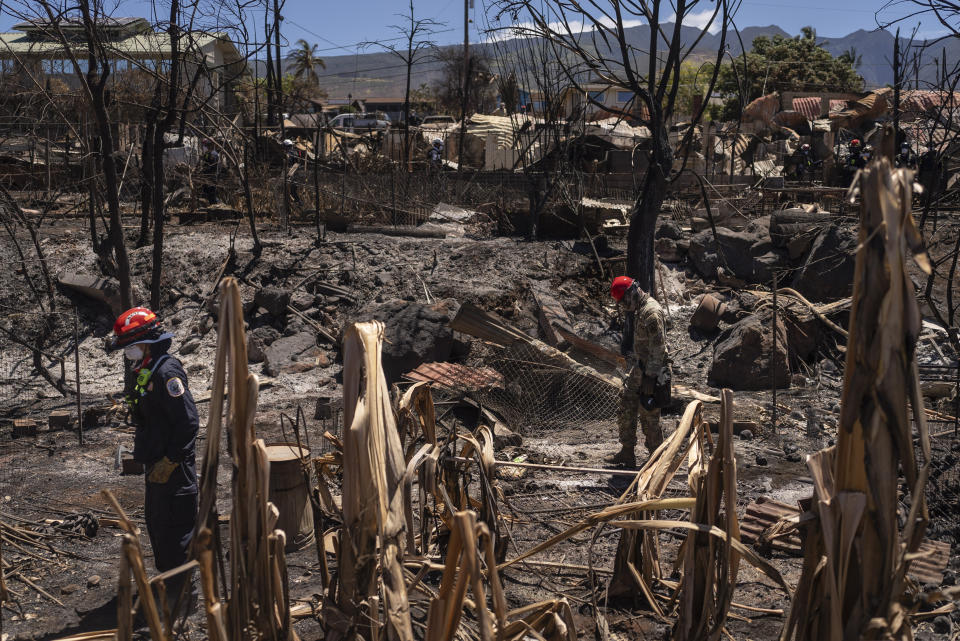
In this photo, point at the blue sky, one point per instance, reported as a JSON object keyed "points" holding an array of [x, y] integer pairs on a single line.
{"points": [[338, 26]]}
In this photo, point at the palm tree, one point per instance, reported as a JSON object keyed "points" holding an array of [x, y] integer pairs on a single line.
{"points": [[305, 61]]}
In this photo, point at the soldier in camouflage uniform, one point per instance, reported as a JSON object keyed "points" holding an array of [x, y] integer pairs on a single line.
{"points": [[644, 346]]}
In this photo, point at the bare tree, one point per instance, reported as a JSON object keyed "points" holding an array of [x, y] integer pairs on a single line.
{"points": [[415, 46], [590, 41], [94, 82], [543, 137]]}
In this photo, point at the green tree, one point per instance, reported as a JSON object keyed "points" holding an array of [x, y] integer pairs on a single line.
{"points": [[305, 62], [693, 82], [787, 64], [852, 57]]}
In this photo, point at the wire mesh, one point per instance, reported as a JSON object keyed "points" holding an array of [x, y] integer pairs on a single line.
{"points": [[943, 485], [538, 392]]}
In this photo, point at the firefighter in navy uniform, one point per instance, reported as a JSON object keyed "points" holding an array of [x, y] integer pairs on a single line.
{"points": [[166, 422]]}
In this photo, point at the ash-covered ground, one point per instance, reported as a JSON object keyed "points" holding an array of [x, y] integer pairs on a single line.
{"points": [[416, 286]]}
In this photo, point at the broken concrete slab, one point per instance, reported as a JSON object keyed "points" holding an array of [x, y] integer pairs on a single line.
{"points": [[444, 212], [189, 346], [104, 290], [668, 251], [741, 359], [290, 353]]}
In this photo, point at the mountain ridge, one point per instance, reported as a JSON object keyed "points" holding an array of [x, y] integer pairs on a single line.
{"points": [[382, 74]]}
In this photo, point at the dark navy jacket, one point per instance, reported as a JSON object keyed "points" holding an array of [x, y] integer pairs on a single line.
{"points": [[167, 424]]}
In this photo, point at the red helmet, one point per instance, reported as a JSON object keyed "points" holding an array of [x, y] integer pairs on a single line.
{"points": [[620, 286], [855, 142], [137, 325]]}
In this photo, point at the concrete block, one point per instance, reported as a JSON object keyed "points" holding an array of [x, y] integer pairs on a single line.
{"points": [[24, 427], [60, 420]]}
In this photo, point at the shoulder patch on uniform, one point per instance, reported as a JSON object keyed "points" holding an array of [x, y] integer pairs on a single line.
{"points": [[175, 387]]}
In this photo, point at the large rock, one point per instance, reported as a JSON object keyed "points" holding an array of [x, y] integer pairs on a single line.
{"points": [[273, 299], [414, 334], [741, 358], [804, 329], [747, 254], [258, 340], [827, 273], [291, 354]]}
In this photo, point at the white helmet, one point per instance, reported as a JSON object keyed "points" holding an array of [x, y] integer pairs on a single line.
{"points": [[288, 143], [437, 142]]}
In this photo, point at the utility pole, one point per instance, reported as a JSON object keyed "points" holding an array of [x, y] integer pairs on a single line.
{"points": [[467, 5]]}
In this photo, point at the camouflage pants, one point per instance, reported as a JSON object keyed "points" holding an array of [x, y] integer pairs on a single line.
{"points": [[630, 410]]}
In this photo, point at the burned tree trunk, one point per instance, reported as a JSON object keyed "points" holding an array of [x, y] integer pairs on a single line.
{"points": [[112, 183], [643, 218], [146, 189]]}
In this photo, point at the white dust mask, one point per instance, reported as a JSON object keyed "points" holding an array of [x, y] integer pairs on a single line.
{"points": [[133, 352]]}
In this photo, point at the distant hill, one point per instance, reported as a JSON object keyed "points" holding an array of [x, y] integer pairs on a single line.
{"points": [[382, 74]]}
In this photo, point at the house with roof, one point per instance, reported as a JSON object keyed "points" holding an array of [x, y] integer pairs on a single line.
{"points": [[135, 51]]}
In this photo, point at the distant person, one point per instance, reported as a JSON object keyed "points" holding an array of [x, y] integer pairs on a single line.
{"points": [[435, 155], [929, 172], [906, 158], [209, 170], [854, 161], [293, 158], [804, 163]]}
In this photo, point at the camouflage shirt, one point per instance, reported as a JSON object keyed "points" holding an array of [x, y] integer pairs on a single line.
{"points": [[645, 338]]}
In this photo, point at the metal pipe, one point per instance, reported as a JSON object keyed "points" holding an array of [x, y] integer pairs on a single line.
{"points": [[773, 354], [76, 360], [557, 468]]}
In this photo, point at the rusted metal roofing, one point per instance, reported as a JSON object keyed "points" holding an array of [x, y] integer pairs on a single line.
{"points": [[809, 106], [869, 107], [837, 105], [454, 376], [775, 524], [920, 101], [762, 108]]}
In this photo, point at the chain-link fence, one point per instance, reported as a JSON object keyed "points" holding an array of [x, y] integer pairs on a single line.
{"points": [[38, 378], [942, 381]]}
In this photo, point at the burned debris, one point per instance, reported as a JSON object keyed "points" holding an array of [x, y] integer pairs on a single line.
{"points": [[414, 350]]}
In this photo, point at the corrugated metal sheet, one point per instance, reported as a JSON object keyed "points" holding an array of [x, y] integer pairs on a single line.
{"points": [[809, 106], [837, 105], [766, 168], [869, 107], [457, 377], [919, 101]]}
